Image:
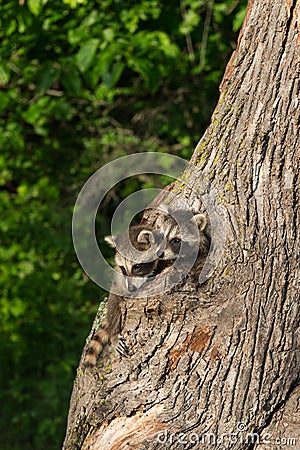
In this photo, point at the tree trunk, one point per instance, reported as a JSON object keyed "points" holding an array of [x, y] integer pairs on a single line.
{"points": [[217, 365]]}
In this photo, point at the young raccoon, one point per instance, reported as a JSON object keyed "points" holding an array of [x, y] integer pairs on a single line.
{"points": [[183, 233], [136, 264]]}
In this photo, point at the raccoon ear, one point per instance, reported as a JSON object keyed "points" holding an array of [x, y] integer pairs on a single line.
{"points": [[145, 237], [201, 221], [110, 241]]}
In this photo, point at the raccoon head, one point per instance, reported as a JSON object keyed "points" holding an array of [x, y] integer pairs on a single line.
{"points": [[180, 233], [136, 255], [135, 274]]}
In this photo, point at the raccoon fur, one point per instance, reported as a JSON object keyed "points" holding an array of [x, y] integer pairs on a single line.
{"points": [[137, 258], [136, 262], [183, 232]]}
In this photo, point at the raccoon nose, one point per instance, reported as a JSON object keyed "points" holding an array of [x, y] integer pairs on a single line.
{"points": [[132, 288]]}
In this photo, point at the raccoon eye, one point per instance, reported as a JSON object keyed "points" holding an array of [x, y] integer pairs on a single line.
{"points": [[176, 241], [137, 269]]}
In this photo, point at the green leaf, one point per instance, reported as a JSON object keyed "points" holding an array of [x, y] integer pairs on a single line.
{"points": [[11, 27], [111, 77], [48, 75], [4, 75], [74, 3], [35, 6], [86, 54], [76, 35], [71, 80], [35, 114], [62, 110], [146, 69]]}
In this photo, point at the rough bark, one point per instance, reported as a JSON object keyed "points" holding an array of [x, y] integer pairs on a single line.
{"points": [[224, 357]]}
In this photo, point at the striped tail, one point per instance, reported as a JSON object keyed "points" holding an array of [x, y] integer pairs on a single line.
{"points": [[95, 347]]}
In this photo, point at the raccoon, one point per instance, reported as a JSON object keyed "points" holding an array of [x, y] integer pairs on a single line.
{"points": [[180, 233], [136, 264]]}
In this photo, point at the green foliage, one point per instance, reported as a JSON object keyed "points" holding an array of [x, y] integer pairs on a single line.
{"points": [[82, 83]]}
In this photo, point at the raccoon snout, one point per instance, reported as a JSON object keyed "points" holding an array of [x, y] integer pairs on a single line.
{"points": [[132, 288], [160, 253]]}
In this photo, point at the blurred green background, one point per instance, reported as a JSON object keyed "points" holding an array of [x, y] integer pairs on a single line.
{"points": [[83, 82]]}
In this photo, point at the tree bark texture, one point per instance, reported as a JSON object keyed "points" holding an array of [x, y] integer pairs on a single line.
{"points": [[217, 365]]}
